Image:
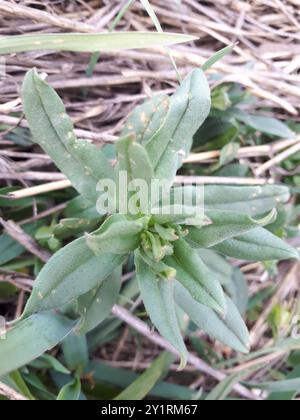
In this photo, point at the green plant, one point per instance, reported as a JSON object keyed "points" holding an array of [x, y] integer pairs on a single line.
{"points": [[77, 288]]}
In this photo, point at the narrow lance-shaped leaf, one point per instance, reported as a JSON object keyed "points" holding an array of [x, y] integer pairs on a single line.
{"points": [[288, 385], [254, 201], [95, 306], [224, 388], [225, 225], [32, 337], [159, 302], [196, 277], [18, 382], [217, 57], [288, 395], [71, 272], [230, 330], [50, 362], [189, 107], [141, 387], [82, 162], [257, 245], [268, 125], [251, 200], [103, 373], [80, 42]]}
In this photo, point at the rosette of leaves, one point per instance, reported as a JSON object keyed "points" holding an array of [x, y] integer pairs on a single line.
{"points": [[77, 288]]}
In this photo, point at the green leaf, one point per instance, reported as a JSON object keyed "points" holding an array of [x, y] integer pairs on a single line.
{"points": [[225, 225], [266, 125], [96, 305], [71, 272], [80, 42], [134, 159], [193, 274], [40, 389], [118, 236], [224, 388], [217, 57], [71, 391], [134, 167], [189, 107], [159, 268], [288, 385], [257, 245], [75, 351], [49, 362], [141, 387], [253, 201], [32, 337], [20, 384], [229, 330], [9, 248], [159, 302], [82, 162], [67, 228], [289, 395], [229, 153], [152, 14], [103, 373], [221, 268], [178, 214], [147, 119], [81, 208], [232, 279]]}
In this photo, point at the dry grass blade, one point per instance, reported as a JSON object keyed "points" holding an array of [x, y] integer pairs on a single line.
{"points": [[10, 393], [24, 239]]}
